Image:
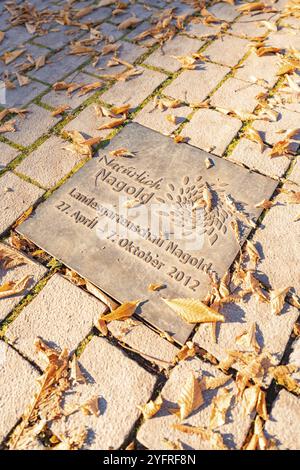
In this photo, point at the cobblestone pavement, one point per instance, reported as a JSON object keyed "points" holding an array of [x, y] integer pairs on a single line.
{"points": [[234, 66]]}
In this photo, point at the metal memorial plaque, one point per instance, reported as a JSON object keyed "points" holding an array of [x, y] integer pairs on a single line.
{"points": [[157, 216]]}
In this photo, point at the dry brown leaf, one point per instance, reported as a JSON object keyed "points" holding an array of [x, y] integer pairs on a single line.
{"points": [[264, 204], [281, 147], [194, 311], [124, 311], [210, 383], [293, 197], [10, 258], [109, 48], [75, 372], [188, 61], [155, 287], [264, 50], [216, 441], [190, 398], [9, 57], [171, 118], [14, 287], [254, 135], [121, 152], [112, 124], [247, 340], [258, 440], [129, 23], [2, 34], [208, 163], [252, 252], [89, 87], [220, 407], [282, 375], [151, 408], [254, 6], [8, 126], [91, 406], [22, 79], [40, 62], [188, 350], [130, 203], [178, 139], [207, 198], [255, 287], [204, 433], [277, 299], [61, 109], [101, 326]]}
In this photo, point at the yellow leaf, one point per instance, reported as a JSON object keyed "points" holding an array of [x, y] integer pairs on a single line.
{"points": [[129, 23], [125, 310], [151, 408], [14, 288], [91, 407], [220, 406], [190, 398], [194, 311], [155, 287], [196, 430], [277, 298], [61, 109], [112, 124], [252, 134]]}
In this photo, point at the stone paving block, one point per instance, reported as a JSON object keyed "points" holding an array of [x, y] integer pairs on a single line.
{"points": [[224, 11], [20, 96], [153, 431], [291, 100], [57, 36], [7, 154], [269, 130], [145, 341], [203, 130], [127, 52], [38, 121], [280, 260], [29, 268], [295, 175], [110, 32], [291, 22], [272, 331], [201, 30], [16, 195], [283, 423], [140, 28], [96, 16], [137, 10], [49, 163], [135, 90], [249, 154], [178, 46], [121, 385], [18, 384], [250, 25], [60, 97], [87, 122], [259, 68], [62, 315], [14, 38], [59, 65], [227, 50], [193, 86], [31, 52], [236, 95], [158, 120], [285, 39], [4, 20]]}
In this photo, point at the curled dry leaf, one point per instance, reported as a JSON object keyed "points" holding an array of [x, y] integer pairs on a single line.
{"points": [[258, 440], [166, 103], [220, 407], [8, 126], [10, 258], [283, 376], [194, 311], [122, 152], [129, 23], [216, 441], [155, 287], [210, 383], [9, 57], [282, 147], [125, 310], [89, 87], [254, 135], [208, 163], [190, 398], [91, 406], [130, 203], [252, 252], [23, 80], [61, 109], [264, 50], [264, 204], [207, 198], [178, 139], [254, 6], [112, 124], [188, 350], [75, 372], [14, 287], [203, 432], [293, 197], [247, 340], [277, 299], [151, 408]]}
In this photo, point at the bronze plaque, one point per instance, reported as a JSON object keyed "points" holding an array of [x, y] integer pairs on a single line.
{"points": [[157, 216]]}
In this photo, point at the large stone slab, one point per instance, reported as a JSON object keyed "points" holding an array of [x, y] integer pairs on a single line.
{"points": [[154, 431], [18, 384], [7, 154], [72, 224], [283, 424], [120, 385]]}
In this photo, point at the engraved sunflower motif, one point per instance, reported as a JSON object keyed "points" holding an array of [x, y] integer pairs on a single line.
{"points": [[186, 201]]}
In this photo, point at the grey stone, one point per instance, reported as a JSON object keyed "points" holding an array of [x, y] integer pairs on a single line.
{"points": [[237, 95], [283, 423], [249, 154], [58, 66], [121, 385], [203, 130], [31, 52], [224, 11], [269, 130], [57, 36], [61, 97], [127, 52], [110, 32], [29, 268], [262, 68], [16, 196], [61, 314], [7, 154], [38, 121], [20, 96], [250, 25], [49, 163], [295, 175], [285, 39], [227, 50], [168, 169], [87, 123], [279, 261], [14, 38], [200, 30], [193, 86], [163, 57], [96, 16], [145, 342], [272, 331], [140, 28], [18, 384], [137, 10], [154, 431], [156, 119], [135, 90]]}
